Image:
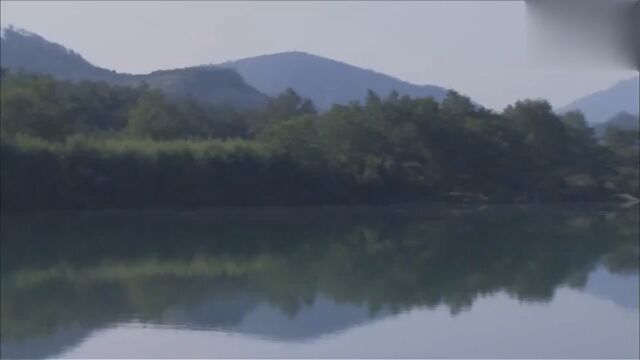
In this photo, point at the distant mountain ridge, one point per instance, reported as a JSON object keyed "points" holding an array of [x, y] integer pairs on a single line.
{"points": [[245, 83], [600, 106], [21, 50], [29, 52], [324, 81]]}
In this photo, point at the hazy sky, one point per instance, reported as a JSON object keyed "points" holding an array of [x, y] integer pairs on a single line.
{"points": [[477, 47]]}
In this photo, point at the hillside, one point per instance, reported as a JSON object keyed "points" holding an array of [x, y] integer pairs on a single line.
{"points": [[323, 80], [28, 52], [603, 105], [213, 85]]}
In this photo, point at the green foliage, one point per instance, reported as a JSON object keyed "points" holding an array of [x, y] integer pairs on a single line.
{"points": [[281, 108], [42, 107], [93, 145], [297, 137], [34, 108], [625, 145], [152, 116]]}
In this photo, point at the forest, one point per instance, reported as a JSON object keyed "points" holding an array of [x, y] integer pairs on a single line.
{"points": [[90, 145]]}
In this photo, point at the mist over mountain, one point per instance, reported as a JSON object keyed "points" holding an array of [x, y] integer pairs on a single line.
{"points": [[324, 81], [28, 52], [600, 106]]}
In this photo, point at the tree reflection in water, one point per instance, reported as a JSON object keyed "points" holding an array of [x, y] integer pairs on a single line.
{"points": [[67, 274]]}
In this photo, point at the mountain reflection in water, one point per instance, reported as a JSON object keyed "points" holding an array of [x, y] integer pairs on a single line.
{"points": [[294, 276]]}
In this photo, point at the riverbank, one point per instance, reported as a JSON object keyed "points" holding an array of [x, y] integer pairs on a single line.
{"points": [[125, 174]]}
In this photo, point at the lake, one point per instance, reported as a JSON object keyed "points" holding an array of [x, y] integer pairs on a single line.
{"points": [[402, 281]]}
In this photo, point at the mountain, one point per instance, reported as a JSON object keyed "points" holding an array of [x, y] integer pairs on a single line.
{"points": [[602, 105], [24, 51], [323, 80]]}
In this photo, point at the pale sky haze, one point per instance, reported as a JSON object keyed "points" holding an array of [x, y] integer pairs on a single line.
{"points": [[477, 47]]}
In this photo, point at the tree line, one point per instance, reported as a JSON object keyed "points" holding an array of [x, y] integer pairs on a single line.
{"points": [[94, 145]]}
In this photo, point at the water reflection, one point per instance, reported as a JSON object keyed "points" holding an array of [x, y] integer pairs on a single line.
{"points": [[298, 275]]}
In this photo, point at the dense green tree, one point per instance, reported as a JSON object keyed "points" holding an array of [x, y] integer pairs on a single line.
{"points": [[624, 143], [297, 137], [90, 144], [577, 124], [281, 108], [152, 116], [42, 107], [456, 105], [34, 107]]}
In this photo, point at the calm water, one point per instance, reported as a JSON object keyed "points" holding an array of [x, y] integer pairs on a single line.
{"points": [[505, 281]]}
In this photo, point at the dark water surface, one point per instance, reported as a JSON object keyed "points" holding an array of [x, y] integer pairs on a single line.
{"points": [[437, 281]]}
